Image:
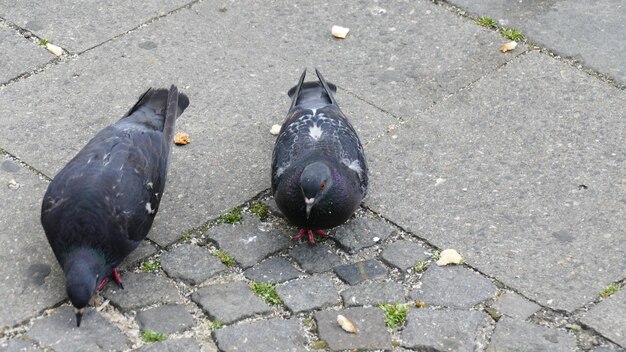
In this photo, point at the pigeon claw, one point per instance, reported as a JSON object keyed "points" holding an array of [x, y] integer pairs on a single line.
{"points": [[310, 234], [300, 234], [116, 277]]}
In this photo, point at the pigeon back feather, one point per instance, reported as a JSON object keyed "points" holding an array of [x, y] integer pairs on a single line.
{"points": [[103, 202]]}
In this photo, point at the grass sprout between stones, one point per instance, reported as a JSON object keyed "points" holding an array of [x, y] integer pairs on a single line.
{"points": [[151, 266], [260, 210], [186, 236], [233, 216], [509, 33], [395, 314], [319, 345], [215, 325], [421, 266], [153, 336], [609, 290], [487, 22], [436, 255], [44, 42], [224, 257], [267, 292], [512, 34]]}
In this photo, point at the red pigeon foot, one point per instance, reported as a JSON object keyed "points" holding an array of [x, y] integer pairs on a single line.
{"points": [[310, 234], [116, 277]]}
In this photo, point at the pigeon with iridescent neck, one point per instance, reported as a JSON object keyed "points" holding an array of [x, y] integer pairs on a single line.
{"points": [[101, 205], [319, 172]]}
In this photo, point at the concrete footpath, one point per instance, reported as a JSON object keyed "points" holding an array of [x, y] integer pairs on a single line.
{"points": [[517, 160]]}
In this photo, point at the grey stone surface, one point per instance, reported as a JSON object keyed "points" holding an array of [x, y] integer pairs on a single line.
{"points": [[309, 293], [362, 270], [168, 319], [274, 270], [174, 345], [262, 336], [371, 293], [515, 306], [31, 277], [453, 286], [315, 259], [370, 324], [141, 290], [19, 55], [80, 27], [361, 232], [609, 317], [515, 335], [18, 344], [63, 120], [248, 242], [229, 302], [401, 48], [586, 31], [499, 179], [441, 330], [468, 148], [143, 251], [59, 331], [191, 263], [404, 254], [604, 349]]}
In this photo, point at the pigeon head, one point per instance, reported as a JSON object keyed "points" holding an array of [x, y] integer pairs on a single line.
{"points": [[83, 270], [315, 182]]}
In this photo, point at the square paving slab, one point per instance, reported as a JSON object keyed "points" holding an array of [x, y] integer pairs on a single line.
{"points": [[78, 26], [400, 56], [589, 31], [19, 55], [228, 122], [532, 196], [32, 280]]}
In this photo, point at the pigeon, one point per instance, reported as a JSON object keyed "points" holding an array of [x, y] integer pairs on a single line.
{"points": [[101, 205], [319, 171]]}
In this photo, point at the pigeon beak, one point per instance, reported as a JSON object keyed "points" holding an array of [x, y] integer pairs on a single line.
{"points": [[309, 204], [79, 316]]}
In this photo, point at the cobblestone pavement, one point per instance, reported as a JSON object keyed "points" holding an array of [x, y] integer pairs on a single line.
{"points": [[515, 159]]}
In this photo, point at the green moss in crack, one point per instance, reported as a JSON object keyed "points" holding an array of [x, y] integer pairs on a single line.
{"points": [[233, 216]]}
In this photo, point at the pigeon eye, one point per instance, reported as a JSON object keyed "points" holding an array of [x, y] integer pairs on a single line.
{"points": [[323, 185]]}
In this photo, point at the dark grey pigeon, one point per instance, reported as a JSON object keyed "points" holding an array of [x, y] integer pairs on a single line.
{"points": [[319, 172], [101, 205]]}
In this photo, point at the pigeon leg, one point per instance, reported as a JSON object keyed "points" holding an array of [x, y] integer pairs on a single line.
{"points": [[103, 283], [117, 278]]}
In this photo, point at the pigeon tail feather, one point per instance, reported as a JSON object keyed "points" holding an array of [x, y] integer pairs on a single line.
{"points": [[312, 94], [327, 88], [295, 91], [163, 101]]}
